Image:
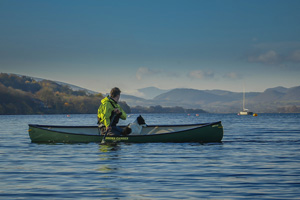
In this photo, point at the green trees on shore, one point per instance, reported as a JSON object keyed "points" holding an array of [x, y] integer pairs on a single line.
{"points": [[24, 95]]}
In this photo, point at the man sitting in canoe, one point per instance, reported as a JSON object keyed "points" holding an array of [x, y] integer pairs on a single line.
{"points": [[108, 110]]}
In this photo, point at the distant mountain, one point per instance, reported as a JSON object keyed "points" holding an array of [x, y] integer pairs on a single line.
{"points": [[292, 94], [268, 96], [133, 100], [277, 99], [151, 92], [187, 97], [278, 89], [278, 94]]}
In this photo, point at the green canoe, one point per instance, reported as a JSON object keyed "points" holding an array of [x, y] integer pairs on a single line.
{"points": [[208, 132]]}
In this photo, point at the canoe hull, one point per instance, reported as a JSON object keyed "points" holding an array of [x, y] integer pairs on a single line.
{"points": [[209, 132]]}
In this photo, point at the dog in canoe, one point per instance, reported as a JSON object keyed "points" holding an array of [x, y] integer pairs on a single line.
{"points": [[135, 128]]}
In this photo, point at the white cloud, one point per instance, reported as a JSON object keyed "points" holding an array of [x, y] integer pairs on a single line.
{"points": [[233, 75], [199, 74], [270, 57], [276, 53], [145, 71], [295, 56], [273, 58]]}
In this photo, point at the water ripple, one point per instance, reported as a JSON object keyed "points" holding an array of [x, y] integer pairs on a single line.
{"points": [[258, 159]]}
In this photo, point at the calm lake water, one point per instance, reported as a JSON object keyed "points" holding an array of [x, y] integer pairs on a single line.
{"points": [[259, 158]]}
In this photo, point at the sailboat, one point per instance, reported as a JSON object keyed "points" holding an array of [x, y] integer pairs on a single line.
{"points": [[245, 110]]}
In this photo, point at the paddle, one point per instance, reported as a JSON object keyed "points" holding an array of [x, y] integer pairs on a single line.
{"points": [[111, 121]]}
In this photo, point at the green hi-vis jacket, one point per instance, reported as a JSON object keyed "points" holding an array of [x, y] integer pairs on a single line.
{"points": [[105, 111]]}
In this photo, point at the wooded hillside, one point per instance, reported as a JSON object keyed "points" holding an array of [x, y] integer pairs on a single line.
{"points": [[24, 95]]}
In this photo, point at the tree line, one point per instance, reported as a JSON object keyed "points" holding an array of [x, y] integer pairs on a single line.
{"points": [[160, 109], [24, 95]]}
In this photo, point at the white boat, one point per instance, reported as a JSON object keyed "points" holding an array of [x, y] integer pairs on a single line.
{"points": [[245, 110]]}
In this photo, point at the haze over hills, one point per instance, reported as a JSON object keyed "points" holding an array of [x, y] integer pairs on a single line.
{"points": [[278, 99], [272, 100], [151, 92]]}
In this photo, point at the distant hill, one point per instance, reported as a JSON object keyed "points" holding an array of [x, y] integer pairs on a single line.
{"points": [[187, 97], [279, 94], [151, 92], [292, 94], [272, 100], [25, 95], [28, 95], [133, 100], [64, 96], [278, 89], [73, 87]]}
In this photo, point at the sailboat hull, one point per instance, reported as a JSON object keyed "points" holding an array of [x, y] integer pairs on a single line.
{"points": [[245, 113]]}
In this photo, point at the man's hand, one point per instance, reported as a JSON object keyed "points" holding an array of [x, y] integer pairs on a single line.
{"points": [[108, 128], [117, 111]]}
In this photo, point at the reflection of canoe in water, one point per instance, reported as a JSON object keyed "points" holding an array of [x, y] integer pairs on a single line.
{"points": [[208, 132]]}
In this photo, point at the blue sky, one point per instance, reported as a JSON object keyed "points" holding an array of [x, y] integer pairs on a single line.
{"points": [[99, 44]]}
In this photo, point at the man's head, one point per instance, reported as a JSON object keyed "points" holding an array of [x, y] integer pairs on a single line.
{"points": [[115, 93]]}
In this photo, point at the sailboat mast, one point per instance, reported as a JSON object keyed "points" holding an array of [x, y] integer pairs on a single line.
{"points": [[244, 98]]}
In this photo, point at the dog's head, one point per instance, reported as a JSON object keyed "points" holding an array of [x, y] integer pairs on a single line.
{"points": [[141, 121]]}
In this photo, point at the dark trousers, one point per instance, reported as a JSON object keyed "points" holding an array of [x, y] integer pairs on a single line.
{"points": [[115, 131]]}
